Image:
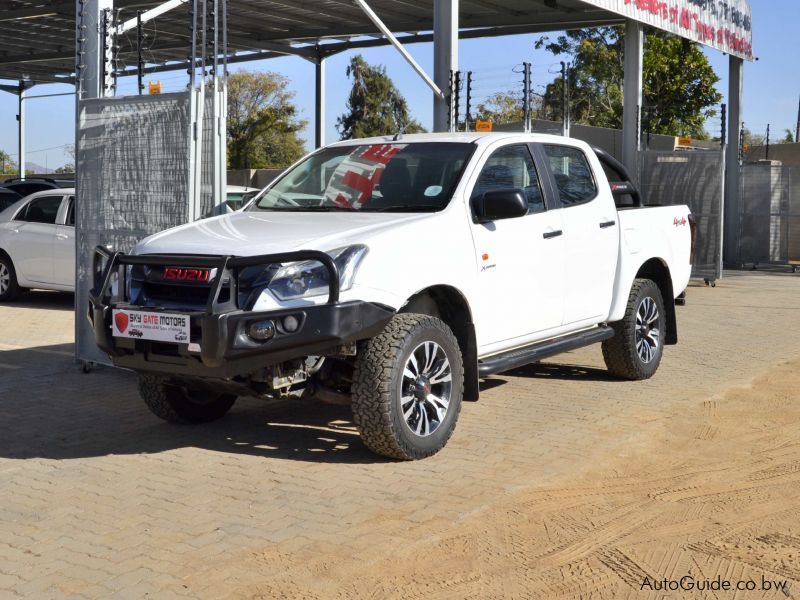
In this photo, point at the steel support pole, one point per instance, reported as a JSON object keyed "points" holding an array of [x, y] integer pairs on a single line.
{"points": [[21, 118], [632, 105], [319, 103], [731, 207], [445, 58], [94, 57]]}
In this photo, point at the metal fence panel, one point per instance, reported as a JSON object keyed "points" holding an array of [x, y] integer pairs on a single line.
{"points": [[696, 179], [770, 214], [793, 226], [132, 180]]}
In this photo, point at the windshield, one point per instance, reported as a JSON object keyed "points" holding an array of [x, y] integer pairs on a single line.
{"points": [[401, 177]]}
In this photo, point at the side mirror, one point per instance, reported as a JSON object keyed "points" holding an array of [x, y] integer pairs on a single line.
{"points": [[500, 204]]}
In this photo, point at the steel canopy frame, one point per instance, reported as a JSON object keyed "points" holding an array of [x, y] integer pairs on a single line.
{"points": [[35, 39], [34, 36]]}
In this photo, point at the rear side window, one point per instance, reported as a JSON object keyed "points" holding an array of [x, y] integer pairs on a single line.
{"points": [[572, 174], [41, 210]]}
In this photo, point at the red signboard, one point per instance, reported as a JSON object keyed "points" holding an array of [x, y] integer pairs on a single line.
{"points": [[726, 25]]}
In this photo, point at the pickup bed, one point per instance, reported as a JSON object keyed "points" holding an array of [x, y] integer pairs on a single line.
{"points": [[392, 274]]}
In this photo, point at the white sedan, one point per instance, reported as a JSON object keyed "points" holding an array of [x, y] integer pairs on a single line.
{"points": [[37, 243]]}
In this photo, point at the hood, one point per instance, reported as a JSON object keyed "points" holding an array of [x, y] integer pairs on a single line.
{"points": [[253, 232]]}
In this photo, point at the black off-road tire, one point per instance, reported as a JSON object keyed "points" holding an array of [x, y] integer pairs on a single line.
{"points": [[12, 288], [620, 353], [377, 381], [177, 404]]}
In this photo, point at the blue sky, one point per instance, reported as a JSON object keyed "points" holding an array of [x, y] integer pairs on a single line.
{"points": [[772, 84]]}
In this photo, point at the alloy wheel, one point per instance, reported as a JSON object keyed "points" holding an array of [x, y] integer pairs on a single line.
{"points": [[648, 334], [426, 389], [5, 279]]}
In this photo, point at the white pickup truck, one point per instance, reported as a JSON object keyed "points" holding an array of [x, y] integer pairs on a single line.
{"points": [[393, 273]]}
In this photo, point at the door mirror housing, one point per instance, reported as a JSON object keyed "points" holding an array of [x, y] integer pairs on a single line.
{"points": [[500, 204]]}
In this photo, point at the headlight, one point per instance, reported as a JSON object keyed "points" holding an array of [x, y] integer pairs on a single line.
{"points": [[310, 278]]}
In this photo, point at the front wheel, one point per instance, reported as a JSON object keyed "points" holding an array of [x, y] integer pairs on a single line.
{"points": [[636, 349], [408, 384], [181, 404]]}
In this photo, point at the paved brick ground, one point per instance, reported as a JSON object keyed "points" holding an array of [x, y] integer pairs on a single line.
{"points": [[98, 498]]}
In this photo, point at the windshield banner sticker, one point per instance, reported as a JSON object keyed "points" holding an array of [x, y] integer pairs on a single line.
{"points": [[356, 177]]}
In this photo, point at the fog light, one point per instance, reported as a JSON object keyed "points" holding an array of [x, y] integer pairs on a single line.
{"points": [[290, 324], [261, 330]]}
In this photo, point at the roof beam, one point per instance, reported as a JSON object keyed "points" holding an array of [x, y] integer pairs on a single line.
{"points": [[403, 52], [34, 12], [149, 15]]}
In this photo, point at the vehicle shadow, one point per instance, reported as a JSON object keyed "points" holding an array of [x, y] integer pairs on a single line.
{"points": [[562, 371], [50, 409], [44, 300]]}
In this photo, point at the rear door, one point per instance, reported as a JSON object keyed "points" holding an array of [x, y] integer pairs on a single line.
{"points": [[64, 246], [520, 261], [591, 234], [32, 237]]}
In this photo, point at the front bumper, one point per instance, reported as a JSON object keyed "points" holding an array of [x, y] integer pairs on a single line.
{"points": [[219, 347]]}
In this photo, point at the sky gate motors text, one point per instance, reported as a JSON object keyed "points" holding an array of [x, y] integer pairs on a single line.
{"points": [[160, 320]]}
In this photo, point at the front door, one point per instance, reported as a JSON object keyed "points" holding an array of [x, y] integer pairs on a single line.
{"points": [[34, 231], [520, 289]]}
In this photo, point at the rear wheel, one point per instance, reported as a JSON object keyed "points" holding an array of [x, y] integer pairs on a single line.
{"points": [[407, 387], [8, 280], [181, 404], [636, 349]]}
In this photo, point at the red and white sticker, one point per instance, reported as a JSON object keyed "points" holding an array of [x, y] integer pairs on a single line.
{"points": [[155, 326]]}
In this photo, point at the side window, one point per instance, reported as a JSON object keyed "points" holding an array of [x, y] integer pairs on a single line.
{"points": [[71, 212], [572, 174], [511, 167], [41, 210]]}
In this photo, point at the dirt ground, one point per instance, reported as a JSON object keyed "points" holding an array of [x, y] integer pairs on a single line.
{"points": [[560, 482], [712, 495]]}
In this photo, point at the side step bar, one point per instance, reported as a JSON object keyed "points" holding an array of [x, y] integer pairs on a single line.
{"points": [[541, 350]]}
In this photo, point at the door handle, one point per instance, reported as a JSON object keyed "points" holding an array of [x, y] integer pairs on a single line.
{"points": [[552, 234], [607, 224]]}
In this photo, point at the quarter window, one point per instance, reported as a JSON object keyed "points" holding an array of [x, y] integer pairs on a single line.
{"points": [[572, 174], [41, 210], [71, 212], [511, 167]]}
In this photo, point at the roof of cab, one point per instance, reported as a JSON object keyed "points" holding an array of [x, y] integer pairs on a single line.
{"points": [[454, 137]]}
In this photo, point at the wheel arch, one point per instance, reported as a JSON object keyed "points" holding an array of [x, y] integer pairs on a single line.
{"points": [[657, 271], [451, 306]]}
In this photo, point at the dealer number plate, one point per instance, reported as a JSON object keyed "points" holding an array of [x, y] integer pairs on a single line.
{"points": [[155, 326]]}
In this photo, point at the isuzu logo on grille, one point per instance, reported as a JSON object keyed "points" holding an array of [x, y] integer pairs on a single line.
{"points": [[188, 274]]}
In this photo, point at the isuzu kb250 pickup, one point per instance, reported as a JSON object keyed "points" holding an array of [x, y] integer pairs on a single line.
{"points": [[393, 273]]}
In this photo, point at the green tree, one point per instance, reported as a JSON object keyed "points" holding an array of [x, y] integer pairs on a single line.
{"points": [[7, 164], [788, 137], [678, 81], [752, 139], [501, 108], [67, 168], [375, 106], [263, 122]]}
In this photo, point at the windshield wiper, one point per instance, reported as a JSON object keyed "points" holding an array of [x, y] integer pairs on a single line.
{"points": [[402, 208], [305, 208]]}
